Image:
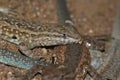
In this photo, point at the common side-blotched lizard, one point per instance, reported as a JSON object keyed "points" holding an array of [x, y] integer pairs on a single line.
{"points": [[28, 35]]}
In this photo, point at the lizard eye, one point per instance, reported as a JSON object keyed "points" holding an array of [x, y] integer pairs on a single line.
{"points": [[64, 36], [14, 37]]}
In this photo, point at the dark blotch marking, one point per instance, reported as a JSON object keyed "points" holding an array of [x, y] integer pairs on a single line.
{"points": [[14, 37]]}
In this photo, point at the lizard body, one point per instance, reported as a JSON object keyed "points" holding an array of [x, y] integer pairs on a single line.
{"points": [[33, 34]]}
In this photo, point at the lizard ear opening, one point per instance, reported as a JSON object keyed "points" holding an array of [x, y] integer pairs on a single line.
{"points": [[14, 37]]}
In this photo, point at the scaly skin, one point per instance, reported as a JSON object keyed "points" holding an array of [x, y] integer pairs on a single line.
{"points": [[33, 34], [27, 35], [18, 60]]}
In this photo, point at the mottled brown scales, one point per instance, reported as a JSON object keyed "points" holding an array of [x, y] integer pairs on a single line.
{"points": [[33, 34], [36, 34]]}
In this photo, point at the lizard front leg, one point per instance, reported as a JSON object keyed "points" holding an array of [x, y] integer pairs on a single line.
{"points": [[25, 50]]}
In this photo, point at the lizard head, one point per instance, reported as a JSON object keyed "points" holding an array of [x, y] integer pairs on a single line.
{"points": [[59, 34]]}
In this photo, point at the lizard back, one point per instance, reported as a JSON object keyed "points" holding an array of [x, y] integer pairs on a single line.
{"points": [[36, 34]]}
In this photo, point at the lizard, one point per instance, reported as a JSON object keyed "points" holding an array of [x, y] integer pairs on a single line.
{"points": [[28, 34]]}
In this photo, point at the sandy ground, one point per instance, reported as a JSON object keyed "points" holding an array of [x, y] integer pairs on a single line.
{"points": [[91, 17]]}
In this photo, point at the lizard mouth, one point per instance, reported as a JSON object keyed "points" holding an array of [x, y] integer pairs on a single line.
{"points": [[47, 41]]}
